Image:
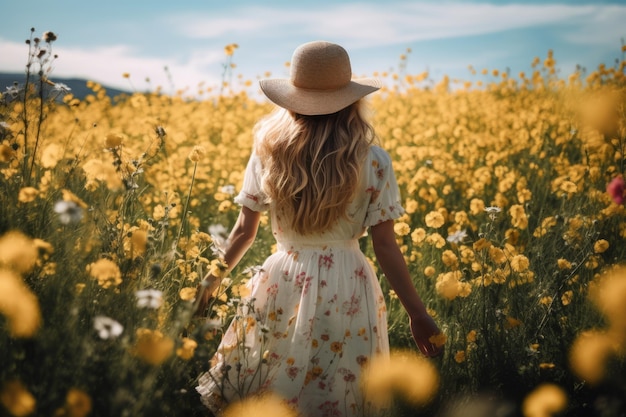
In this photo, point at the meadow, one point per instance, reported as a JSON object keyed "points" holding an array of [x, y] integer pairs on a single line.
{"points": [[513, 184]]}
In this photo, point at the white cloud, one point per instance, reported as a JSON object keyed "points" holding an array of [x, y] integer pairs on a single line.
{"points": [[362, 25], [107, 65]]}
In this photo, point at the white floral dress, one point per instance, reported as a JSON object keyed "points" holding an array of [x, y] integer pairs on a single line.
{"points": [[316, 313]]}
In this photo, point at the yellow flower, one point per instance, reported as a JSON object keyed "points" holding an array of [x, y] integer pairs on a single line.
{"points": [[17, 252], [429, 271], [589, 355], [405, 373], [152, 346], [481, 244], [459, 356], [187, 293], [106, 272], [471, 336], [519, 263], [27, 195], [610, 296], [197, 153], [51, 155], [497, 255], [19, 305], [567, 297], [401, 228], [6, 153], [187, 349], [17, 399], [564, 264], [450, 259], [262, 405], [438, 339], [77, 404], [477, 206], [544, 401], [158, 213], [418, 235], [113, 140], [434, 219], [600, 246]]}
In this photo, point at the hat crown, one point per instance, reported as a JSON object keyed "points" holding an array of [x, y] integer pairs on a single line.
{"points": [[320, 65]]}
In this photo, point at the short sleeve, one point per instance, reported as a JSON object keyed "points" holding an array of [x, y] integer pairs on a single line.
{"points": [[251, 194], [382, 187]]}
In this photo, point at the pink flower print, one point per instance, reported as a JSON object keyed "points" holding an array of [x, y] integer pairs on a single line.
{"points": [[616, 189], [326, 261], [292, 372], [352, 307], [380, 173], [360, 274], [303, 282], [348, 375], [272, 290], [361, 360], [330, 409], [373, 193]]}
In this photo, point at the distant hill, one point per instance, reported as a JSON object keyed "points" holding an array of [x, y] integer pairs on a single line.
{"points": [[78, 86]]}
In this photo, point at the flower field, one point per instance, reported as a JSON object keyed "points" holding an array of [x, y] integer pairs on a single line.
{"points": [[515, 229]]}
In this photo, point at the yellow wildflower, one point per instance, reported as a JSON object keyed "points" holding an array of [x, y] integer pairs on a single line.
{"points": [[19, 305], [18, 252], [544, 401], [401, 228], [17, 399], [27, 195], [600, 246], [266, 404], [152, 346], [106, 272], [405, 373], [434, 219], [187, 349]]}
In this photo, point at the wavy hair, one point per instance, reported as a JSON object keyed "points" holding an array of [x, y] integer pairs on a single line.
{"points": [[311, 164]]}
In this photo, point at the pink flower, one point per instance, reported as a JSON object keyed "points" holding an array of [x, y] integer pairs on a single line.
{"points": [[616, 189]]}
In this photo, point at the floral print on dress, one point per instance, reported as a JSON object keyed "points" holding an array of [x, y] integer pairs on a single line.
{"points": [[315, 315]]}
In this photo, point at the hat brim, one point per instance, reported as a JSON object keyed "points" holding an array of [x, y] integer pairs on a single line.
{"points": [[317, 102]]}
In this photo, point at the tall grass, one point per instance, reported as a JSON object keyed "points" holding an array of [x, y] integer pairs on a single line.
{"points": [[113, 209]]}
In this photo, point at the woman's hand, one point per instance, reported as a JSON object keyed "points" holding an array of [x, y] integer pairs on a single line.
{"points": [[423, 328], [204, 293]]}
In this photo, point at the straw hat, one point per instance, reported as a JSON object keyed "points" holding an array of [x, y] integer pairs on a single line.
{"points": [[320, 81]]}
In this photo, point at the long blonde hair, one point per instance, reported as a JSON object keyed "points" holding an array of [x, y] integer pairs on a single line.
{"points": [[311, 164]]}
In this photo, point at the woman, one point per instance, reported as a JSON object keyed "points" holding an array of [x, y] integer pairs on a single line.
{"points": [[316, 313]]}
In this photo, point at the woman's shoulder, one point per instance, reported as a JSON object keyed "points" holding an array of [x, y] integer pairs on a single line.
{"points": [[379, 154]]}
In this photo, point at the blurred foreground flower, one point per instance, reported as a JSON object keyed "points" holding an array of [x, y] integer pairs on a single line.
{"points": [[17, 399], [404, 374], [153, 346], [260, 406], [107, 328], [19, 305], [18, 252], [544, 401], [616, 189], [77, 404]]}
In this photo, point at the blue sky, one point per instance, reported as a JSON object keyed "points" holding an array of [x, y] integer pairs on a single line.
{"points": [[102, 40]]}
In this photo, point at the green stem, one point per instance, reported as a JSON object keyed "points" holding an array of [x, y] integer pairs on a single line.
{"points": [[186, 206]]}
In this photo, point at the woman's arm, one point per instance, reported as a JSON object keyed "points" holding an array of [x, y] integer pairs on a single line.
{"points": [[392, 262], [239, 241]]}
